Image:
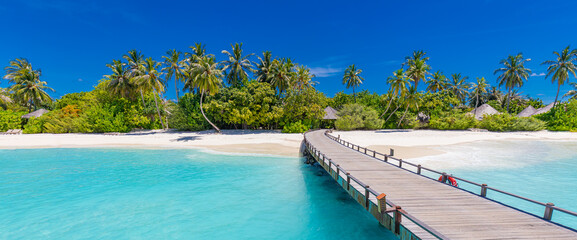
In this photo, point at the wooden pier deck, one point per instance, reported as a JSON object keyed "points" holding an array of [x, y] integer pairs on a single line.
{"points": [[453, 213]]}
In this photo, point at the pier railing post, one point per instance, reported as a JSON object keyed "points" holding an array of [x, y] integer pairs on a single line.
{"points": [[367, 196], [444, 178], [483, 190], [419, 169], [386, 158], [382, 200], [392, 152], [348, 181], [374, 153], [548, 211], [365, 150], [401, 163], [338, 172], [398, 217]]}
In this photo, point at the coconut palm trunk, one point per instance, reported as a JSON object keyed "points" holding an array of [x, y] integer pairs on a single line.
{"points": [[158, 111], [477, 103], [393, 112], [176, 88], [142, 97], [388, 106], [508, 99], [202, 111], [403, 117]]}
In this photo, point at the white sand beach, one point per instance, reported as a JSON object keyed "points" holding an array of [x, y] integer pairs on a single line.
{"points": [[407, 143]]}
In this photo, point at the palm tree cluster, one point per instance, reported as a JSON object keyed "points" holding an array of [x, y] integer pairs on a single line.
{"points": [[27, 88], [137, 75], [201, 73]]}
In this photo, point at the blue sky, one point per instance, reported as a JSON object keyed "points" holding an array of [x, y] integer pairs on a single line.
{"points": [[72, 41]]}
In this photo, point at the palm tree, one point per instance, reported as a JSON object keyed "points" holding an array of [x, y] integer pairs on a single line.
{"points": [[173, 68], [458, 86], [513, 73], [264, 68], [150, 80], [136, 68], [398, 85], [238, 66], [31, 91], [411, 99], [479, 89], [437, 82], [303, 78], [572, 94], [205, 76], [17, 68], [120, 80], [417, 67], [282, 74], [352, 78], [560, 68]]}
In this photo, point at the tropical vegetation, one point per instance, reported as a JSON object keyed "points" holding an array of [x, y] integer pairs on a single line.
{"points": [[245, 91]]}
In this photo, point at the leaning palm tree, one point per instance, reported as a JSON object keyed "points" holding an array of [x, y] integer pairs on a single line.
{"points": [[458, 86], [173, 68], [417, 67], [151, 80], [352, 78], [136, 68], [29, 90], [264, 67], [205, 75], [398, 84], [513, 73], [572, 94], [560, 68], [479, 89], [437, 82], [411, 99], [238, 66]]}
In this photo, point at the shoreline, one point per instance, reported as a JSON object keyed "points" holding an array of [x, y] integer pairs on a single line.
{"points": [[408, 144]]}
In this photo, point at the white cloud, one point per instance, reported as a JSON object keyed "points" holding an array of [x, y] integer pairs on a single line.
{"points": [[325, 71], [537, 74], [80, 80]]}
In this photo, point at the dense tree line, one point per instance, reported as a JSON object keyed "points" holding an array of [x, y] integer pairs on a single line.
{"points": [[276, 93]]}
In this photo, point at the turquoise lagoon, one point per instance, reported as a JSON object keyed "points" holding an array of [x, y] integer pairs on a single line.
{"points": [[545, 171], [172, 194]]}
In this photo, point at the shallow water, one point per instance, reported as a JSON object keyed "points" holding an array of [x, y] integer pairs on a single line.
{"points": [[172, 194], [545, 171]]}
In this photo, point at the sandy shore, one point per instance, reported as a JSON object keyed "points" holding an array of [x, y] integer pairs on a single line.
{"points": [[230, 141], [407, 143]]}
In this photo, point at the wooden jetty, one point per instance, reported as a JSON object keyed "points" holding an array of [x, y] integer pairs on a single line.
{"points": [[416, 207]]}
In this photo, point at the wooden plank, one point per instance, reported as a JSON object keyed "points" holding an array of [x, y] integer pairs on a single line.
{"points": [[455, 213]]}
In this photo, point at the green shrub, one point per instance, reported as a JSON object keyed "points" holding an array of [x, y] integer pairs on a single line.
{"points": [[356, 116], [460, 121], [296, 127], [10, 120], [34, 125], [562, 118], [507, 122]]}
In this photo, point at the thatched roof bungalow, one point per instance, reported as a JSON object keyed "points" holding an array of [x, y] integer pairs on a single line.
{"points": [[544, 109], [527, 112], [36, 113], [482, 110], [330, 114]]}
